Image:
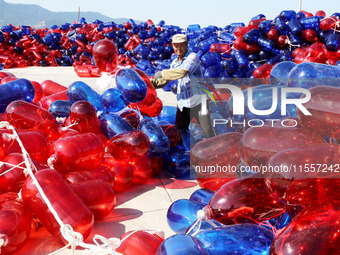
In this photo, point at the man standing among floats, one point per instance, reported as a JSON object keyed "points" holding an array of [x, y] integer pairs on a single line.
{"points": [[186, 69]]}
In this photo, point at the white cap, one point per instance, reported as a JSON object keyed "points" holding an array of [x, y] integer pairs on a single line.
{"points": [[179, 38]]}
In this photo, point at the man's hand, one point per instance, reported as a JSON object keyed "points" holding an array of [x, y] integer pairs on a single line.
{"points": [[159, 83]]}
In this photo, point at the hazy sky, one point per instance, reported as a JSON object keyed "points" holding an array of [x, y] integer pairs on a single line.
{"points": [[186, 12]]}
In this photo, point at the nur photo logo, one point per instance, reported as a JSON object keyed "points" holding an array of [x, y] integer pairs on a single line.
{"points": [[240, 102]]}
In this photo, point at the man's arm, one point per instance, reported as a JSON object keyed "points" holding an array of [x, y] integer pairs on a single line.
{"points": [[174, 74], [168, 75]]}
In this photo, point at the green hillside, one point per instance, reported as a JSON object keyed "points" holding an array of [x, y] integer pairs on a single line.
{"points": [[36, 16]]}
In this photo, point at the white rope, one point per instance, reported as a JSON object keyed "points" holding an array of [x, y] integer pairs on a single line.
{"points": [[107, 245], [67, 127], [202, 215], [337, 23], [8, 137], [74, 239], [29, 165], [288, 41], [113, 242], [52, 159], [103, 245], [3, 240], [308, 55], [99, 113], [13, 167], [28, 162], [258, 61], [60, 119]]}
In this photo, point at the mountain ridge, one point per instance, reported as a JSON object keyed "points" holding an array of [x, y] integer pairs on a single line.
{"points": [[21, 14]]}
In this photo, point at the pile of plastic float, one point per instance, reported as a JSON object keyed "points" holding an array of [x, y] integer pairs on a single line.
{"points": [[236, 50], [246, 208], [82, 148], [71, 44], [270, 182]]}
